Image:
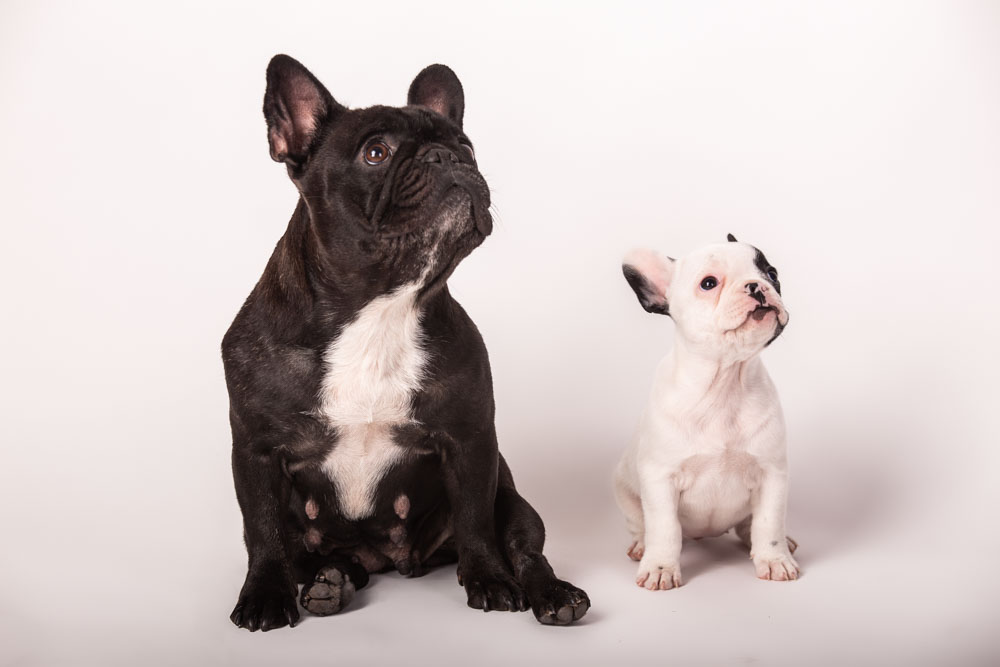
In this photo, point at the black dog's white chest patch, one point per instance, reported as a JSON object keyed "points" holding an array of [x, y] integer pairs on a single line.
{"points": [[373, 368]]}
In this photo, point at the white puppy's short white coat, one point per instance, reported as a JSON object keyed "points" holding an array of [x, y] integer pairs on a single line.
{"points": [[710, 453]]}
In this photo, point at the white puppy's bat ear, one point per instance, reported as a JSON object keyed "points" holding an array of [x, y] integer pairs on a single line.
{"points": [[296, 107], [438, 89], [649, 274], [730, 238]]}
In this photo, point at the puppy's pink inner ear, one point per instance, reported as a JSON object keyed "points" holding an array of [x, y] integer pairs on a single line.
{"points": [[655, 268], [648, 274]]}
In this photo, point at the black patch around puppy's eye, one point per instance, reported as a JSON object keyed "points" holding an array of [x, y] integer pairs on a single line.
{"points": [[765, 269], [709, 283]]}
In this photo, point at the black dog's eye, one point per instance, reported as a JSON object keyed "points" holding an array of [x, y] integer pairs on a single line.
{"points": [[377, 152], [468, 149], [709, 283], [772, 273]]}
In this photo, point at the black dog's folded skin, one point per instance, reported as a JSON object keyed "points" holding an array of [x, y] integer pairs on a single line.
{"points": [[361, 400]]}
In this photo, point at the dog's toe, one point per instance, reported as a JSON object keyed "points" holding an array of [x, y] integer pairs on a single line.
{"points": [[266, 604], [776, 567], [658, 576], [493, 592], [558, 602]]}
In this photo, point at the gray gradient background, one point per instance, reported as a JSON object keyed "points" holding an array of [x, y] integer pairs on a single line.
{"points": [[858, 144]]}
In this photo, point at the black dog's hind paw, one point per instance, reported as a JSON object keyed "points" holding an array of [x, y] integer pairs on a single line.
{"points": [[556, 602], [265, 606], [328, 593], [498, 592]]}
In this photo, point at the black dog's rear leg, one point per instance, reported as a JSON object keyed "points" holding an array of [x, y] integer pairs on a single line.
{"points": [[522, 535], [331, 583]]}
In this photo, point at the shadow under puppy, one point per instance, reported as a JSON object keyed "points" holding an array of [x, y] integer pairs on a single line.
{"points": [[361, 399], [710, 452]]}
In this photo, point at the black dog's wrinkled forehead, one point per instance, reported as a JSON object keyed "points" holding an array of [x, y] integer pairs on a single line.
{"points": [[410, 124]]}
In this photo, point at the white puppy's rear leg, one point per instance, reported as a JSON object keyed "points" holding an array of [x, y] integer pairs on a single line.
{"points": [[630, 505]]}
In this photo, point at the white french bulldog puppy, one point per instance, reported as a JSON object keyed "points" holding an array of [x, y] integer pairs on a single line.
{"points": [[709, 454]]}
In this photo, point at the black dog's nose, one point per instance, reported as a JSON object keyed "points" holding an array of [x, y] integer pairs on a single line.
{"points": [[753, 290], [439, 155]]}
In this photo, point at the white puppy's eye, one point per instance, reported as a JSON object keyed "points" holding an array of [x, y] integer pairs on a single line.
{"points": [[709, 283], [772, 273]]}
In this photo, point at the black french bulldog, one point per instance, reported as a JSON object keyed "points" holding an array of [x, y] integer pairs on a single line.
{"points": [[361, 399]]}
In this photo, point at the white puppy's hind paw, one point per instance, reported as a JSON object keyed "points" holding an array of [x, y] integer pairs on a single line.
{"points": [[636, 551], [776, 567], [658, 576]]}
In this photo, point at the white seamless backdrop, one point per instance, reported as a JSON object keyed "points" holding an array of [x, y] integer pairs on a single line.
{"points": [[856, 143]]}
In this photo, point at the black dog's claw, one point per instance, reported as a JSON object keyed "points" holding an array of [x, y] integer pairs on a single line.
{"points": [[495, 592], [558, 602], [266, 603]]}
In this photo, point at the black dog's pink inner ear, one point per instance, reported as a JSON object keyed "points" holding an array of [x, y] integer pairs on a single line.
{"points": [[438, 88], [295, 106]]}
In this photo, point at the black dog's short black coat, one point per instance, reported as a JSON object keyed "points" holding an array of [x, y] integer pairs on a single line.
{"points": [[390, 197]]}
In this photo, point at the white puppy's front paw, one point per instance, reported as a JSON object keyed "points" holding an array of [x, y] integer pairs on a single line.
{"points": [[658, 576], [776, 566]]}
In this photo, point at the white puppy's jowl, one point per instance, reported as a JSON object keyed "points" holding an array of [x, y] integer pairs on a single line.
{"points": [[709, 454]]}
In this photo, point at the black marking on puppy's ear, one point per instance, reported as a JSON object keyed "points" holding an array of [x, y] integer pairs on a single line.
{"points": [[297, 108], [731, 238], [438, 88], [648, 297]]}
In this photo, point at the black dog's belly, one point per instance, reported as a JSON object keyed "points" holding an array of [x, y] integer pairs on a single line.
{"points": [[409, 522]]}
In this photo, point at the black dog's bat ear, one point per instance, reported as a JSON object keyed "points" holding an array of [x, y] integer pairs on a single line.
{"points": [[649, 274], [297, 108], [731, 238], [438, 89]]}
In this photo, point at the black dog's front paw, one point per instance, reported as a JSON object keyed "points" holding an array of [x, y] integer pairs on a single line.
{"points": [[495, 591], [557, 602], [266, 602]]}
